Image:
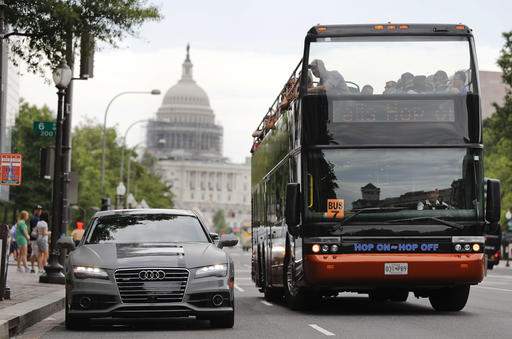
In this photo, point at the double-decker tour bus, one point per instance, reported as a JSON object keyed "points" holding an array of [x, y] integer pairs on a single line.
{"points": [[367, 170]]}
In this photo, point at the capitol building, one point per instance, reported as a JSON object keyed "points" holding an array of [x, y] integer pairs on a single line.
{"points": [[187, 142]]}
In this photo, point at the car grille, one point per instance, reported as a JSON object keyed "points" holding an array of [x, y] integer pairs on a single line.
{"points": [[143, 285]]}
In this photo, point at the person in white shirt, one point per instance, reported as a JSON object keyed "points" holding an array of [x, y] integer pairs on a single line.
{"points": [[42, 240]]}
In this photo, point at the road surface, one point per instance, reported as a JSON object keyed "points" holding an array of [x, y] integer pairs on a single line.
{"points": [[488, 314]]}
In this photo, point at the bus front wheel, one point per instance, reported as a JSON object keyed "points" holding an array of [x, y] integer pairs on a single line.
{"points": [[450, 299], [297, 298]]}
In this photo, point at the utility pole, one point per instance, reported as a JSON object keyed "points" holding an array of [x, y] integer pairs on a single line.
{"points": [[67, 137]]}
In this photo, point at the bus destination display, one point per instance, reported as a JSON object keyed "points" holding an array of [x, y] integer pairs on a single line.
{"points": [[393, 111]]}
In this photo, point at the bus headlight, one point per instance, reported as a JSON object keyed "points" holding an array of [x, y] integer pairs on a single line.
{"points": [[476, 247], [315, 248], [325, 248]]}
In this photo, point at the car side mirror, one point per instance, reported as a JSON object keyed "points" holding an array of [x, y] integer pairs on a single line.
{"points": [[66, 243], [214, 236], [227, 240], [493, 203], [292, 207], [473, 107]]}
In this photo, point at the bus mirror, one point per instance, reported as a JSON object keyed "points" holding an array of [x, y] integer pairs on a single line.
{"points": [[493, 204], [292, 206], [473, 107]]}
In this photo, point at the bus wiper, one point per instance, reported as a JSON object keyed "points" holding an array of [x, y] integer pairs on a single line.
{"points": [[441, 221], [369, 210]]}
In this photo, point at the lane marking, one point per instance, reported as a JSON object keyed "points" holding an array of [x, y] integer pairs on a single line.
{"points": [[495, 288], [321, 330], [247, 265], [243, 278], [239, 289], [499, 276], [264, 302], [495, 283]]}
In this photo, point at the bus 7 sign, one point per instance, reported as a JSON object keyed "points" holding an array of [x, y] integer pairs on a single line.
{"points": [[335, 208]]}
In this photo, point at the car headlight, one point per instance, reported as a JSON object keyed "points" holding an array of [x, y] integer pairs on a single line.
{"points": [[83, 272], [212, 271]]}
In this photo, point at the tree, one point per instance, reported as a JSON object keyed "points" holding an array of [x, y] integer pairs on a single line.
{"points": [[219, 222], [498, 131], [47, 25], [33, 190], [145, 183]]}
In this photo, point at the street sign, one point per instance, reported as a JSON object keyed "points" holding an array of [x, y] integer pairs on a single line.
{"points": [[45, 128], [10, 169]]}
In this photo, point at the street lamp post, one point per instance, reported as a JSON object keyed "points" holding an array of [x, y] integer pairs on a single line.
{"points": [[103, 135], [121, 169], [120, 192], [53, 271]]}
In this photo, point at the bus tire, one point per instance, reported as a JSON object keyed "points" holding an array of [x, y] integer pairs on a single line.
{"points": [[296, 297], [273, 294], [399, 296], [450, 299], [490, 265]]}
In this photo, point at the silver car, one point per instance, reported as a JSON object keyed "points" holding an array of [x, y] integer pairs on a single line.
{"points": [[146, 264]]}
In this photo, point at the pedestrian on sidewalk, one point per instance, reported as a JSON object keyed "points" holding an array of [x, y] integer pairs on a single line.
{"points": [[22, 239], [78, 232], [34, 253], [42, 241], [13, 249]]}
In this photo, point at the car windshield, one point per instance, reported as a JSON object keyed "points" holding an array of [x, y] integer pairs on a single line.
{"points": [[399, 65], [148, 228], [393, 179]]}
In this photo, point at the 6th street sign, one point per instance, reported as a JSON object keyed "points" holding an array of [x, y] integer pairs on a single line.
{"points": [[45, 128]]}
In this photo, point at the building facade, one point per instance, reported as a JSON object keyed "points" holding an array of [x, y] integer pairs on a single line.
{"points": [[9, 106], [187, 142], [492, 91]]}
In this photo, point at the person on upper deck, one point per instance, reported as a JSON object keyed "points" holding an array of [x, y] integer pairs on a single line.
{"points": [[406, 82], [459, 83], [367, 90], [331, 82], [440, 82]]}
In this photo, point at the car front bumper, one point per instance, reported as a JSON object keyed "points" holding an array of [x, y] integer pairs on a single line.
{"points": [[106, 301]]}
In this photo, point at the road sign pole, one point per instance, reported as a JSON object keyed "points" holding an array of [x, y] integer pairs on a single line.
{"points": [[54, 270]]}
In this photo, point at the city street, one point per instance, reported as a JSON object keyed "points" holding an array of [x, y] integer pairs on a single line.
{"points": [[488, 314]]}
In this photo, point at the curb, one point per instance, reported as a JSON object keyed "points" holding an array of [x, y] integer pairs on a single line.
{"points": [[16, 318]]}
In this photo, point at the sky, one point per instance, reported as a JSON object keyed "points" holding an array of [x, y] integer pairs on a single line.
{"points": [[243, 52]]}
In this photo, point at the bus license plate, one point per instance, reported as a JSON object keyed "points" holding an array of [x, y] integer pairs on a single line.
{"points": [[396, 268]]}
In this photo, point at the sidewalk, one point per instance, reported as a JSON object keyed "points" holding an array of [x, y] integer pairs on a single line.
{"points": [[30, 301]]}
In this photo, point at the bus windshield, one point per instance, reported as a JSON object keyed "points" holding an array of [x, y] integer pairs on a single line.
{"points": [[391, 65], [413, 181]]}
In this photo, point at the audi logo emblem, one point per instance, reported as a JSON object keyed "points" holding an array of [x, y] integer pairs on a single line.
{"points": [[151, 275]]}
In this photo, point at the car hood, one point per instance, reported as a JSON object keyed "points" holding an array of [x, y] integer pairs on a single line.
{"points": [[113, 256]]}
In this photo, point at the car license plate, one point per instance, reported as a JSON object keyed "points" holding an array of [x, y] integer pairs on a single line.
{"points": [[396, 268]]}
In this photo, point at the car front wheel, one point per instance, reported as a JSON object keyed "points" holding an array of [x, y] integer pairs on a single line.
{"points": [[226, 321], [72, 323]]}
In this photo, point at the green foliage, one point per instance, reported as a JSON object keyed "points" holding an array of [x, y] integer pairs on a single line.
{"points": [[33, 189], [219, 222], [49, 24], [498, 131], [86, 159]]}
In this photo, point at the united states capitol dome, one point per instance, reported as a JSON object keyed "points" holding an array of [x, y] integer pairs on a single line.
{"points": [[185, 123], [186, 96]]}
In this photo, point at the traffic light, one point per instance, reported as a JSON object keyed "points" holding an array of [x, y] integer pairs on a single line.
{"points": [[47, 159], [105, 204]]}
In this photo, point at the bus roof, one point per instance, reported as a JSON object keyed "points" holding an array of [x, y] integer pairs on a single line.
{"points": [[388, 29]]}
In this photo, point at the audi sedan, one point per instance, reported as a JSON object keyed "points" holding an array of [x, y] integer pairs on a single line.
{"points": [[147, 264]]}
